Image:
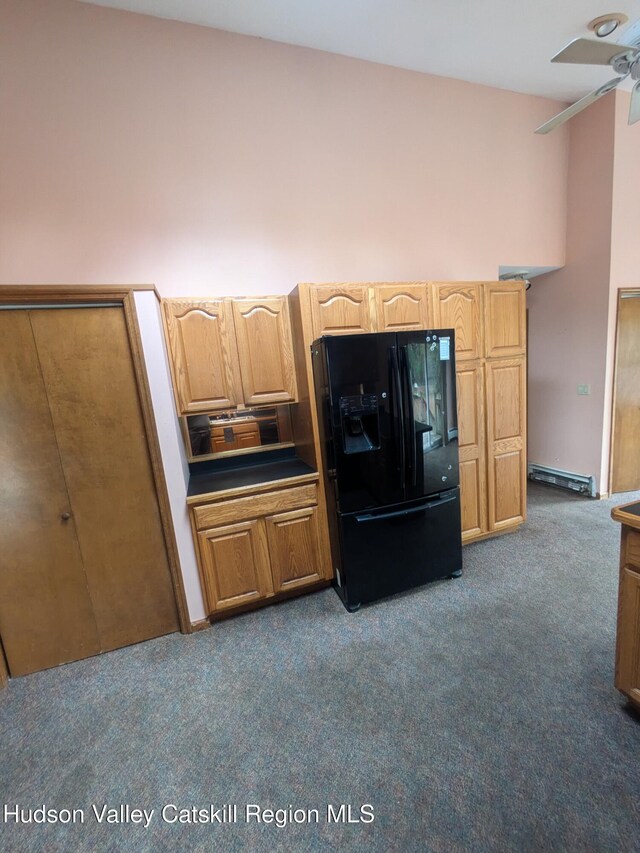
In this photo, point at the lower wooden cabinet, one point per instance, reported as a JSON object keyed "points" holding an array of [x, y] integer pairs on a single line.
{"points": [[628, 638], [245, 559], [294, 548], [471, 448], [235, 564], [627, 678], [506, 442]]}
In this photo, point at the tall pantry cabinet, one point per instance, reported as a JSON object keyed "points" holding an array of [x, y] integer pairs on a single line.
{"points": [[489, 322]]}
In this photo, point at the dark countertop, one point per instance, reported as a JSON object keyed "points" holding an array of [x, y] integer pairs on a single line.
{"points": [[628, 514], [242, 477]]}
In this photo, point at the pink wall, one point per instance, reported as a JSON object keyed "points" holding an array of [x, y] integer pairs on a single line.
{"points": [[142, 150], [625, 246], [568, 310]]}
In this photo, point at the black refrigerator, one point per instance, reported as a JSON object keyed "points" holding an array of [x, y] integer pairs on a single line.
{"points": [[389, 434]]}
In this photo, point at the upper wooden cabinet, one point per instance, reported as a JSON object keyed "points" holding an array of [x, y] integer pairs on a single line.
{"points": [[338, 309], [229, 352], [204, 358], [505, 319], [401, 307], [265, 350], [459, 307]]}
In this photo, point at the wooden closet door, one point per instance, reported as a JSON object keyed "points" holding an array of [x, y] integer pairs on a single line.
{"points": [[402, 307], [203, 354], [471, 448], [625, 442], [265, 350], [46, 615], [506, 441], [340, 309], [93, 396]]}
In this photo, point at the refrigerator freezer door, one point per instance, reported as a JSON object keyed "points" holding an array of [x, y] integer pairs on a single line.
{"points": [[428, 373], [363, 415], [390, 550]]}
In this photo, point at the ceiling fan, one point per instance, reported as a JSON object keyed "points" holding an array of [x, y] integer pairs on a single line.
{"points": [[625, 61]]}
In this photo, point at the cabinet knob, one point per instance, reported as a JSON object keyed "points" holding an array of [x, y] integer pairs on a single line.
{"points": [[65, 516]]}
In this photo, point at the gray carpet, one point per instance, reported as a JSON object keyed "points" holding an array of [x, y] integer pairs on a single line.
{"points": [[474, 715]]}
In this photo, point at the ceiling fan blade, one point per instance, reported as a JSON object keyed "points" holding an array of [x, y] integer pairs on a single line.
{"points": [[634, 108], [590, 52], [580, 105]]}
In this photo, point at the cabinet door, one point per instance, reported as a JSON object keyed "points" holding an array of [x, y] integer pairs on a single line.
{"points": [[505, 319], [401, 306], [628, 637], [294, 547], [235, 564], [265, 350], [471, 448], [459, 307], [204, 359], [506, 444], [340, 309]]}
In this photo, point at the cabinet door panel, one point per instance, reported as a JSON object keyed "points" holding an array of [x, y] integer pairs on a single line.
{"points": [[628, 637], [265, 350], [235, 564], [471, 448], [505, 319], [401, 306], [459, 307], [294, 546], [340, 309], [204, 359], [506, 442]]}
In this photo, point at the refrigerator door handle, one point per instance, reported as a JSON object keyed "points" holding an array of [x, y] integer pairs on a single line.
{"points": [[398, 414], [398, 513], [404, 364]]}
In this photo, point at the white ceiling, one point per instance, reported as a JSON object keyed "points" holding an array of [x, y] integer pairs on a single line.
{"points": [[503, 43]]}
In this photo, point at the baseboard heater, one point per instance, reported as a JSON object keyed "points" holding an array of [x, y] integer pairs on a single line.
{"points": [[563, 479]]}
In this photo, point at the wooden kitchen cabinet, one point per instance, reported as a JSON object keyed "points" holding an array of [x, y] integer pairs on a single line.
{"points": [[227, 353], [203, 354], [471, 448], [265, 350], [504, 319], [506, 444], [294, 548], [402, 307], [628, 642], [341, 309], [489, 319], [459, 307], [235, 566], [627, 672], [252, 547]]}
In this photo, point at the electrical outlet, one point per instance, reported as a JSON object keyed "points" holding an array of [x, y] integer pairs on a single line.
{"points": [[584, 390]]}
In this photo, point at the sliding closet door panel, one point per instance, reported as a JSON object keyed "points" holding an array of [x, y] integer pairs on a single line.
{"points": [[88, 371], [46, 616]]}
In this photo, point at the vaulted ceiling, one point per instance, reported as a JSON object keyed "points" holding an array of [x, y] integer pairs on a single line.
{"points": [[503, 43]]}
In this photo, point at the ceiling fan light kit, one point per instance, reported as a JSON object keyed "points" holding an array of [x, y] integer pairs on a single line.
{"points": [[624, 59], [604, 25]]}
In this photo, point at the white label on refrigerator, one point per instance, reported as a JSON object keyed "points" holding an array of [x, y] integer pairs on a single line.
{"points": [[444, 349]]}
